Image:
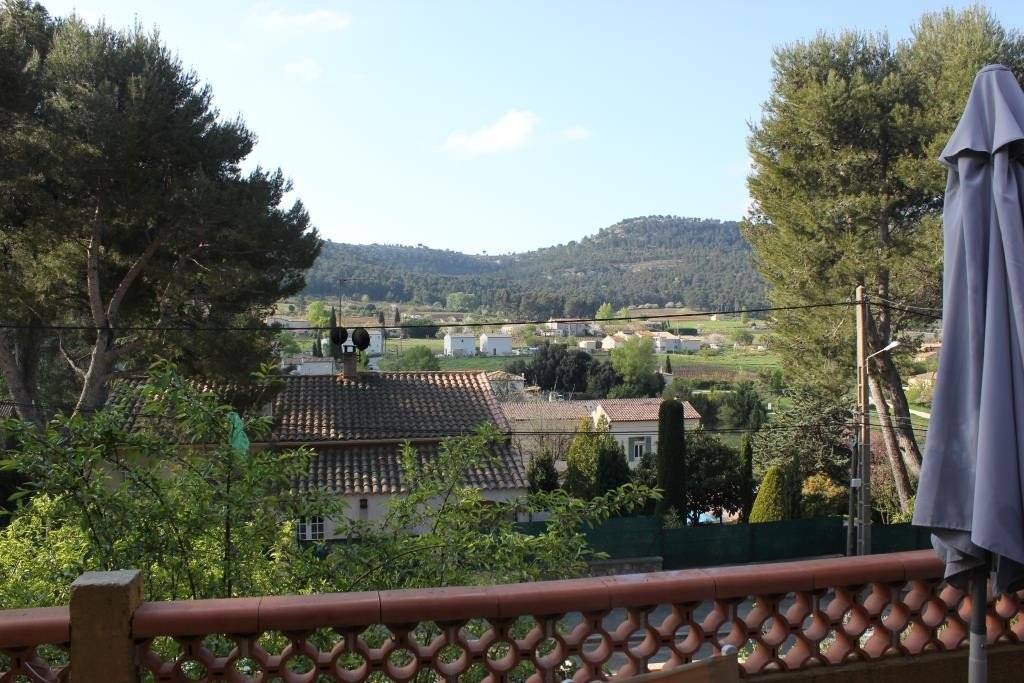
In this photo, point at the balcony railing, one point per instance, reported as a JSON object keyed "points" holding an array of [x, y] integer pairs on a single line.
{"points": [[782, 617]]}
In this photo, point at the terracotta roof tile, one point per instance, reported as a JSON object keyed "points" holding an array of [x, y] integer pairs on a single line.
{"points": [[525, 411], [376, 469], [640, 409], [376, 406]]}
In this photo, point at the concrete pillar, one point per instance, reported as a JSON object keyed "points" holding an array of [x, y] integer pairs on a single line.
{"points": [[102, 605]]}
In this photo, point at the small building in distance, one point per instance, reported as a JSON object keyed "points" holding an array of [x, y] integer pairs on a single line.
{"points": [[307, 364], [457, 344], [507, 386], [616, 340], [494, 344], [666, 342], [587, 344], [566, 327]]}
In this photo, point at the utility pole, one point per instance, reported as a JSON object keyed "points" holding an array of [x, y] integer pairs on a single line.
{"points": [[863, 429]]}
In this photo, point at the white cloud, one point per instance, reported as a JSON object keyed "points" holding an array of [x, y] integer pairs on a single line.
{"points": [[305, 68], [316, 20], [575, 133], [513, 130]]}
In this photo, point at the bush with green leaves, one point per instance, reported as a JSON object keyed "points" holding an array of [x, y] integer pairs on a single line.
{"points": [[417, 357], [821, 496], [770, 504], [154, 483], [541, 473]]}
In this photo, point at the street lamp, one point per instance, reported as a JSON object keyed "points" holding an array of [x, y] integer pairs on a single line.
{"points": [[888, 347]]}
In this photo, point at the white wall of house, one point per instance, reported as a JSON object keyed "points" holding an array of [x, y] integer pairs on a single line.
{"points": [[587, 344], [376, 346], [323, 366], [636, 437], [459, 344], [567, 329], [372, 508], [495, 344]]}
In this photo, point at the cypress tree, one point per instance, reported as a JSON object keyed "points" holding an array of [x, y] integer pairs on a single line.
{"points": [[747, 491], [668, 364], [672, 457], [770, 504], [541, 473], [612, 469], [318, 351]]}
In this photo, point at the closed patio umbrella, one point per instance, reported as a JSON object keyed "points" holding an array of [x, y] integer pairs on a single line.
{"points": [[971, 492]]}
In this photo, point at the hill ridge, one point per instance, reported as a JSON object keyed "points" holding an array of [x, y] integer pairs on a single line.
{"points": [[695, 262]]}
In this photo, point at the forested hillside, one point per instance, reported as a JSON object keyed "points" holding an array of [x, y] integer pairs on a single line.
{"points": [[703, 264]]}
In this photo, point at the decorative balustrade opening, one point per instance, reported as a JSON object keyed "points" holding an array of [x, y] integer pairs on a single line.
{"points": [[781, 617]]}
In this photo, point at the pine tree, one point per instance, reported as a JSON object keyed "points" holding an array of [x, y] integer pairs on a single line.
{"points": [[770, 504], [672, 457], [747, 485]]}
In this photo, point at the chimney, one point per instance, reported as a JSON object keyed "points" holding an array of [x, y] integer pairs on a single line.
{"points": [[350, 364]]}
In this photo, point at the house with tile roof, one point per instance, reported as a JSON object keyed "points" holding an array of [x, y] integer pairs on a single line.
{"points": [[357, 426], [633, 422]]}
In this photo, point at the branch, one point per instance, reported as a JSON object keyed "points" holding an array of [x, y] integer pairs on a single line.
{"points": [[114, 307], [71, 361]]}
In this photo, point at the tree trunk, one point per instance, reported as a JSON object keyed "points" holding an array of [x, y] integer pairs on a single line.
{"points": [[19, 373], [898, 420], [899, 469]]}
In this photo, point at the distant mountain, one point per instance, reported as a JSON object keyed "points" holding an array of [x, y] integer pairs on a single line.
{"points": [[699, 263]]}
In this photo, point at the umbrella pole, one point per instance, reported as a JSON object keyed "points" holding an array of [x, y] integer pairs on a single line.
{"points": [[978, 659]]}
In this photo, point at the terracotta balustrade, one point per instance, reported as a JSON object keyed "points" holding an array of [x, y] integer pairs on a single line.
{"points": [[785, 616]]}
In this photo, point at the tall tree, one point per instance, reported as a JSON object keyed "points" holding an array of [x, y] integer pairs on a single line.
{"points": [[672, 475], [713, 477], [123, 205], [743, 408], [541, 473], [836, 206]]}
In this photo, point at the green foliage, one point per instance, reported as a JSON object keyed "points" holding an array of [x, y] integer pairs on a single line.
{"points": [[672, 520], [714, 476], [709, 256], [668, 364], [747, 477], [672, 457], [605, 311], [635, 360], [318, 313], [612, 468], [811, 432], [417, 358], [743, 408], [541, 472], [287, 344], [583, 458], [420, 328], [821, 497], [212, 521], [147, 173], [198, 523], [770, 504], [460, 301]]}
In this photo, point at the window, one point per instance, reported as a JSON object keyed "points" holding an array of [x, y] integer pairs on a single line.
{"points": [[636, 448], [311, 529], [364, 509]]}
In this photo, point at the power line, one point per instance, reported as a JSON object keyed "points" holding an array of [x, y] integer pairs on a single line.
{"points": [[413, 326], [905, 309]]}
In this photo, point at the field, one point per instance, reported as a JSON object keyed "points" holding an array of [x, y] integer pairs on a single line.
{"points": [[728, 359]]}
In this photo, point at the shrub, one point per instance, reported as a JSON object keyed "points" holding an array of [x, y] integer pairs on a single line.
{"points": [[821, 496], [770, 504]]}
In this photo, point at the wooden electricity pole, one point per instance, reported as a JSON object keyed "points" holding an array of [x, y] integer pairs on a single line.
{"points": [[863, 429]]}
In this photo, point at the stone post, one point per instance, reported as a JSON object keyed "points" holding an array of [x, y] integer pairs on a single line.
{"points": [[102, 605]]}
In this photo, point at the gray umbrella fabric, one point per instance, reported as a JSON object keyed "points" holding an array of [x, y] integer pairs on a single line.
{"points": [[971, 491]]}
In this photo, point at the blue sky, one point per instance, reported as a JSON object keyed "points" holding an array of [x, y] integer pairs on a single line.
{"points": [[486, 126]]}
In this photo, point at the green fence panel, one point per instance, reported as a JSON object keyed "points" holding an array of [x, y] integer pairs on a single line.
{"points": [[623, 537], [797, 538], [894, 538], [705, 546]]}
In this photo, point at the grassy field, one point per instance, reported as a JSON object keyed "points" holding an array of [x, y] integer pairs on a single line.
{"points": [[728, 359]]}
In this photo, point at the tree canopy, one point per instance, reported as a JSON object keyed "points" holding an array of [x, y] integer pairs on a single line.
{"points": [[123, 203]]}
